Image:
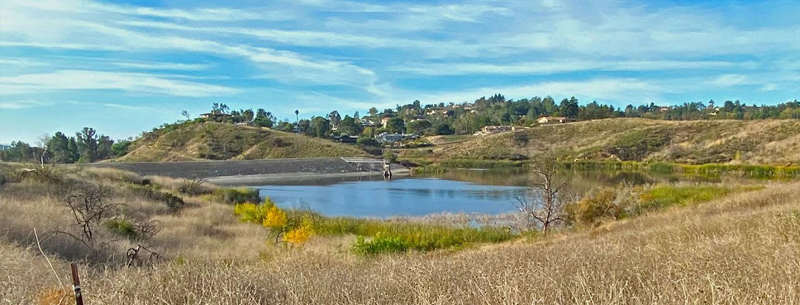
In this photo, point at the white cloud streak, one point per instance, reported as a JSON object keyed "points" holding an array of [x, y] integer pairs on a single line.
{"points": [[101, 80]]}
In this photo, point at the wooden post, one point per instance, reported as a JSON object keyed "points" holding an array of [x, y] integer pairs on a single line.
{"points": [[76, 284]]}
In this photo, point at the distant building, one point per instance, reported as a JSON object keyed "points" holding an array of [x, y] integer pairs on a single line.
{"points": [[385, 120], [214, 116], [389, 138], [496, 129], [345, 139], [552, 119]]}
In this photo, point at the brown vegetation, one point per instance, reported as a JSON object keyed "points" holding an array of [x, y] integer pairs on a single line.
{"points": [[218, 141], [774, 142], [744, 248]]}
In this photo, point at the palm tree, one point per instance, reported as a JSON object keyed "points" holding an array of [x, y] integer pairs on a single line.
{"points": [[297, 121]]}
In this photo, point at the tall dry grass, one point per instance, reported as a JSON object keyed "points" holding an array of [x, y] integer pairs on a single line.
{"points": [[743, 249]]}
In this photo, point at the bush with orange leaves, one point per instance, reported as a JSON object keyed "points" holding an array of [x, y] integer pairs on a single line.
{"points": [[293, 229], [55, 296]]}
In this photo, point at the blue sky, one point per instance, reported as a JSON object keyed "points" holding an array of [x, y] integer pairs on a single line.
{"points": [[125, 67]]}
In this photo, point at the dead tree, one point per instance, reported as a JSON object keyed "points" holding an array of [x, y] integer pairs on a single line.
{"points": [[89, 205], [543, 203]]}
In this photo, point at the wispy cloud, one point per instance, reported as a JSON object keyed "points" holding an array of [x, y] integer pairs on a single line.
{"points": [[101, 80], [348, 54], [162, 66], [729, 80], [22, 104]]}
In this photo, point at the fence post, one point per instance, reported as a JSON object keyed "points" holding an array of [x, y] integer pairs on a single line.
{"points": [[76, 284]]}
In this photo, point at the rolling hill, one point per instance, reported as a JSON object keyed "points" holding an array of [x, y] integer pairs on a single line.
{"points": [[692, 142], [217, 141]]}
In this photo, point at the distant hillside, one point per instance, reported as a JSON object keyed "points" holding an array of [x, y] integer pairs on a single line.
{"points": [[693, 142], [218, 141]]}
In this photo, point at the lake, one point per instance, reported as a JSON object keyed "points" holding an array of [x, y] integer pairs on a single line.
{"points": [[457, 191], [398, 197]]}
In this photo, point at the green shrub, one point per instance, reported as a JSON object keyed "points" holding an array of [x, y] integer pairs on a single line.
{"points": [[414, 236], [661, 168], [122, 227], [665, 196], [380, 244], [235, 195]]}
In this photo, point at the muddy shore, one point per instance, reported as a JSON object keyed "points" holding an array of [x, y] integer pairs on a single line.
{"points": [[254, 172]]}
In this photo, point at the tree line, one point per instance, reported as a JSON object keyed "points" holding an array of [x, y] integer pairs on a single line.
{"points": [[86, 146], [468, 118]]}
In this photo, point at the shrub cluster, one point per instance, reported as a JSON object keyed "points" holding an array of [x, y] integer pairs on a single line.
{"points": [[235, 195]]}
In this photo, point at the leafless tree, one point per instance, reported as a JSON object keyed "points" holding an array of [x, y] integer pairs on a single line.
{"points": [[186, 114], [543, 203], [89, 205], [44, 140]]}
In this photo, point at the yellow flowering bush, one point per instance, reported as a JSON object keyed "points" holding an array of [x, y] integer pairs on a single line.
{"points": [[300, 234], [292, 229], [276, 219]]}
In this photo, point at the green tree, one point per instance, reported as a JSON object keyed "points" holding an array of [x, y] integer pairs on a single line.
{"points": [[444, 129], [569, 108], [87, 144], [320, 126], [120, 148], [418, 126], [59, 147], [104, 144], [396, 125], [349, 126]]}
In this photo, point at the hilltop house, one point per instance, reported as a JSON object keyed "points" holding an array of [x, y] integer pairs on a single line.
{"points": [[385, 120], [215, 116], [496, 129], [552, 119], [390, 138]]}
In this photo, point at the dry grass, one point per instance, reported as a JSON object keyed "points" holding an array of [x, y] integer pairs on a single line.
{"points": [[743, 249], [774, 142], [219, 141]]}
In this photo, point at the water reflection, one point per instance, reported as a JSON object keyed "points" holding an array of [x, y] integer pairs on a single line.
{"points": [[457, 191], [400, 197]]}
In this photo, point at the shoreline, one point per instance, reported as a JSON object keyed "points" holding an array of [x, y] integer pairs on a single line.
{"points": [[296, 177]]}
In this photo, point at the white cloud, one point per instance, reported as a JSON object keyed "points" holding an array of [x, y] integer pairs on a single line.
{"points": [[101, 80], [730, 80], [769, 87], [163, 66], [552, 67], [21, 104]]}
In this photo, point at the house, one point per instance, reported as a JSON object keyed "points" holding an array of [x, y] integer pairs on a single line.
{"points": [[390, 138], [496, 129], [367, 123], [214, 116], [385, 120], [345, 139], [552, 119]]}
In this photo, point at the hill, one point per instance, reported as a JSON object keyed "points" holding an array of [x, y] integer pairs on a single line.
{"points": [[218, 141], [692, 142]]}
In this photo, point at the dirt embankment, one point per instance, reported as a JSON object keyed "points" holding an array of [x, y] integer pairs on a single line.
{"points": [[253, 171]]}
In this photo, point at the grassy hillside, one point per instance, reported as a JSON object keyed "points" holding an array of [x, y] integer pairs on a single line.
{"points": [[693, 142], [216, 141], [743, 248]]}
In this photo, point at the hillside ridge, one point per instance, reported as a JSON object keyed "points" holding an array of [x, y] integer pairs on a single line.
{"points": [[633, 139], [219, 141]]}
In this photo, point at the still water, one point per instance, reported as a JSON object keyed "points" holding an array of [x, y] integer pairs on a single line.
{"points": [[468, 191], [399, 197]]}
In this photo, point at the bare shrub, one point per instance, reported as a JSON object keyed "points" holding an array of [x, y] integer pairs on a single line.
{"points": [[89, 205], [543, 203]]}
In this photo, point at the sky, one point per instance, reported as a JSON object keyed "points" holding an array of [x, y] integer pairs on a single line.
{"points": [[125, 67]]}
